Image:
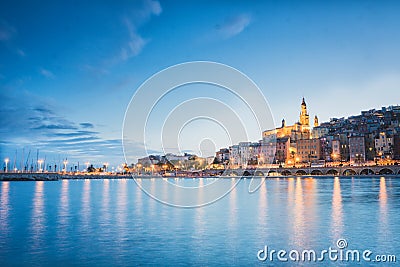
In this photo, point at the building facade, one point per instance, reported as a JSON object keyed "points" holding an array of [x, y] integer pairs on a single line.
{"points": [[309, 150], [357, 149]]}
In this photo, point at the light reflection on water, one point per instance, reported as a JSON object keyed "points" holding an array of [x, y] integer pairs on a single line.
{"points": [[86, 209], [337, 210], [38, 223], [4, 212], [298, 237], [384, 230], [63, 216], [113, 222], [262, 207]]}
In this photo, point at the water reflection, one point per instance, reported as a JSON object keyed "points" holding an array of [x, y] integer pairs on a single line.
{"points": [[298, 235], [63, 210], [153, 201], [199, 220], [86, 204], [310, 220], [38, 223], [122, 203], [138, 197], [262, 208], [290, 196], [106, 201], [63, 207], [337, 210], [4, 210], [383, 210], [233, 207]]}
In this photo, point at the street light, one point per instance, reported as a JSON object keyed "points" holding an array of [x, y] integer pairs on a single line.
{"points": [[106, 166], [6, 160], [40, 162], [65, 165], [165, 166]]}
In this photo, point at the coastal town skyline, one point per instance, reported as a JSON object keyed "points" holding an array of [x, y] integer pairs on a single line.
{"points": [[267, 146], [66, 96]]}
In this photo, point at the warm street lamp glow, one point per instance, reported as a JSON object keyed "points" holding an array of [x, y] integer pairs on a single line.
{"points": [[6, 160], [65, 165], [40, 162], [87, 165]]}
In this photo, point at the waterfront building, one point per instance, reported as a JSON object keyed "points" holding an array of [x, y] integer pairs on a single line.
{"points": [[344, 145], [309, 150], [384, 145], [267, 151], [336, 156], [244, 153], [326, 148], [357, 149], [396, 146], [369, 139], [282, 150], [234, 156], [223, 155]]}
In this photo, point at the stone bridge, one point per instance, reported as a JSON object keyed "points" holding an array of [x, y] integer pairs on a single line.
{"points": [[332, 171]]}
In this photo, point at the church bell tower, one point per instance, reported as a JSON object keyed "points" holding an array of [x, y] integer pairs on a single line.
{"points": [[304, 117]]}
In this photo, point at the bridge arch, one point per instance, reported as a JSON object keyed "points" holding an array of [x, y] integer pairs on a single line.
{"points": [[349, 172], [316, 172], [301, 172], [386, 171], [258, 173], [286, 173], [246, 173], [272, 173], [332, 172], [367, 172]]}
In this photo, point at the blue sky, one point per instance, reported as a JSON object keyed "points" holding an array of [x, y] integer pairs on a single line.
{"points": [[69, 68]]}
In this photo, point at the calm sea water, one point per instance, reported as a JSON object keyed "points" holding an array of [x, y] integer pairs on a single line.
{"points": [[114, 223]]}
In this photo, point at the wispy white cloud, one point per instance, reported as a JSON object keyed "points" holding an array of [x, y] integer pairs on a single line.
{"points": [[136, 42], [7, 32], [94, 70], [20, 52], [7, 35], [47, 73], [234, 25]]}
